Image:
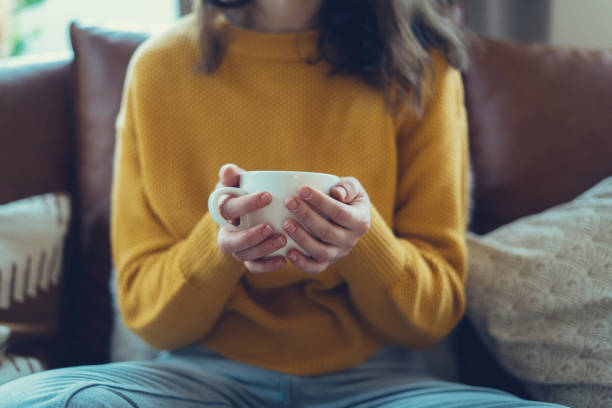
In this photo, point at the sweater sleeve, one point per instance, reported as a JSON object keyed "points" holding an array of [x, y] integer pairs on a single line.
{"points": [[171, 289], [407, 281]]}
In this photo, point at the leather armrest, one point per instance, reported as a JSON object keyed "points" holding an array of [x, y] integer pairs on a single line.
{"points": [[36, 129]]}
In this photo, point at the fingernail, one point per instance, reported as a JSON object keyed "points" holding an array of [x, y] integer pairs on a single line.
{"points": [[305, 192], [291, 203], [279, 242], [342, 191], [293, 257], [267, 231], [289, 227], [265, 198]]}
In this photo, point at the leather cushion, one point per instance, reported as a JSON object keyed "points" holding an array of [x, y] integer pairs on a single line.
{"points": [[540, 127], [101, 57], [35, 135]]}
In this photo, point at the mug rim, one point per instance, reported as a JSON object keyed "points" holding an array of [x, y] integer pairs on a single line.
{"points": [[288, 172]]}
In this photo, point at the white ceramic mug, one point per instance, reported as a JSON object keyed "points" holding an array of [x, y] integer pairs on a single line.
{"points": [[280, 184]]}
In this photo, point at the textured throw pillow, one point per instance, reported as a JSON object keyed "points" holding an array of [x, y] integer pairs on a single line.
{"points": [[32, 233], [540, 295]]}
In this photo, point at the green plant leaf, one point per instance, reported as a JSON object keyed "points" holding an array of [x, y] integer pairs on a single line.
{"points": [[19, 40], [19, 47], [23, 4]]}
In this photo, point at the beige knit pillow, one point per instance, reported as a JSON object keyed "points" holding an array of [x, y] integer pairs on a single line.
{"points": [[540, 295], [32, 235]]}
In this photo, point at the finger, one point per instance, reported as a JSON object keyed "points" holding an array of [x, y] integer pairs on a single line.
{"points": [[222, 199], [342, 214], [319, 227], [230, 242], [305, 263], [236, 207], [229, 175], [264, 249], [346, 190], [265, 265], [318, 250]]}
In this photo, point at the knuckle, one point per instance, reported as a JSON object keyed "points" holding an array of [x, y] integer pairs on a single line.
{"points": [[309, 268], [254, 236], [256, 267], [351, 184], [363, 226], [318, 256], [342, 214], [321, 255], [254, 203], [269, 245], [315, 198], [318, 268], [344, 252], [332, 254], [303, 214], [328, 235], [353, 181], [223, 246], [252, 267]]}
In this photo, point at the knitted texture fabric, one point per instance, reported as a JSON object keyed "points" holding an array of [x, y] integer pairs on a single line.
{"points": [[269, 108]]}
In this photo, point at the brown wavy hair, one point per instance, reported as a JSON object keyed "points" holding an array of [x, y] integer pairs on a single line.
{"points": [[387, 43]]}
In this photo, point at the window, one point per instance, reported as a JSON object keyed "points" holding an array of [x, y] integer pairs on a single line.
{"points": [[41, 26]]}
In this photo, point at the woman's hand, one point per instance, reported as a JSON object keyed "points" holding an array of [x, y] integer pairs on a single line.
{"points": [[330, 240], [251, 244]]}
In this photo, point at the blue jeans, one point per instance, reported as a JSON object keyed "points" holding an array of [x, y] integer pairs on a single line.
{"points": [[197, 377]]}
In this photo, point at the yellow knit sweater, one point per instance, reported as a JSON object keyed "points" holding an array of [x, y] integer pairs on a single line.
{"points": [[267, 109]]}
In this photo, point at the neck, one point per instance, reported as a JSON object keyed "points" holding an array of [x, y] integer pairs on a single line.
{"points": [[277, 16]]}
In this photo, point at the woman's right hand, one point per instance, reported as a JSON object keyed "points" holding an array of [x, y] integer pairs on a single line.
{"points": [[250, 245]]}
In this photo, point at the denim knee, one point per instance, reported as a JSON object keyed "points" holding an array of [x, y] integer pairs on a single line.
{"points": [[98, 396], [38, 390]]}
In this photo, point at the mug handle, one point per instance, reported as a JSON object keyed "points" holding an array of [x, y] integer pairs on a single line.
{"points": [[213, 206]]}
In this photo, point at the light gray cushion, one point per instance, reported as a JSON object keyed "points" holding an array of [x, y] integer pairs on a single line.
{"points": [[125, 345]]}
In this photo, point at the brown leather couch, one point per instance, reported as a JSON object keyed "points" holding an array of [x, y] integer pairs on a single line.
{"points": [[540, 130]]}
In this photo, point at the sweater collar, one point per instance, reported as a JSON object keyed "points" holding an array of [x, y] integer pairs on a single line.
{"points": [[274, 46]]}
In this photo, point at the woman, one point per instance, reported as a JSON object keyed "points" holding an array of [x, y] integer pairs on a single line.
{"points": [[365, 89]]}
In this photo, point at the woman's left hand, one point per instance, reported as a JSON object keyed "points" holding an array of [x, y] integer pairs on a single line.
{"points": [[348, 213]]}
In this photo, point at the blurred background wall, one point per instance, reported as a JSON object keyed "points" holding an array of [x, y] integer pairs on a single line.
{"points": [[41, 26], [582, 23]]}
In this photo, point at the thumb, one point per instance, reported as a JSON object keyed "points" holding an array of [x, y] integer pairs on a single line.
{"points": [[229, 175], [345, 191]]}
